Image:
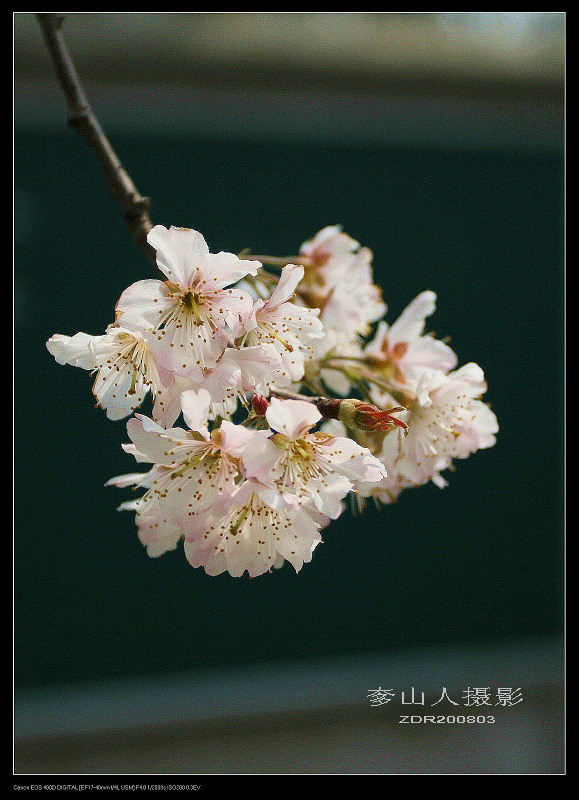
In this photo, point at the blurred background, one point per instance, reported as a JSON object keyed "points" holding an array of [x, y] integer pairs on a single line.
{"points": [[436, 139]]}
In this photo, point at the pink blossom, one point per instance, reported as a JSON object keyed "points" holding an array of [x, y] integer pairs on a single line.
{"points": [[448, 420], [252, 532], [124, 364], [194, 310], [288, 327], [398, 349], [308, 467]]}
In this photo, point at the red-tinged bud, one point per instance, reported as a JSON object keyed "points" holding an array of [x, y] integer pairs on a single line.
{"points": [[367, 417], [259, 404]]}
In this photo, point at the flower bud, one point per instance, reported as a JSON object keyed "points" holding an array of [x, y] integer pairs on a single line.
{"points": [[367, 417], [259, 404]]}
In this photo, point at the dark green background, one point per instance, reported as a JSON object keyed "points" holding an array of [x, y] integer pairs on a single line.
{"points": [[480, 560]]}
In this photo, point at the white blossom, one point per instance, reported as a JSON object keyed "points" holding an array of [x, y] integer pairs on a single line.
{"points": [[397, 350], [290, 328], [124, 363], [239, 371], [448, 420], [252, 531], [308, 467], [338, 280], [194, 311], [199, 467], [247, 497]]}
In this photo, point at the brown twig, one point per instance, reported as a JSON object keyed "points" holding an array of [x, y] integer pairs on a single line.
{"points": [[286, 395], [354, 413], [272, 261], [81, 116]]}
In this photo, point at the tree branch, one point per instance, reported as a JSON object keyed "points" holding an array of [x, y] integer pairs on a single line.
{"points": [[354, 413], [286, 395], [81, 116], [272, 261]]}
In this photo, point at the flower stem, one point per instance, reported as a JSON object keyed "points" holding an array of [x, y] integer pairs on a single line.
{"points": [[272, 261], [283, 393]]}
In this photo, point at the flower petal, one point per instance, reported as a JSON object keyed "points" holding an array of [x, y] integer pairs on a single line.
{"points": [[223, 269], [292, 417], [290, 276], [426, 351], [410, 324], [144, 303], [77, 350], [180, 252], [154, 441], [195, 406], [235, 439]]}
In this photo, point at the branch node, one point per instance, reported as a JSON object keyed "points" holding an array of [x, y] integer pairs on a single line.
{"points": [[76, 120], [139, 205]]}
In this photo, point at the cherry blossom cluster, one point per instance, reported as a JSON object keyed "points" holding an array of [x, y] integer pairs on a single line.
{"points": [[294, 392]]}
